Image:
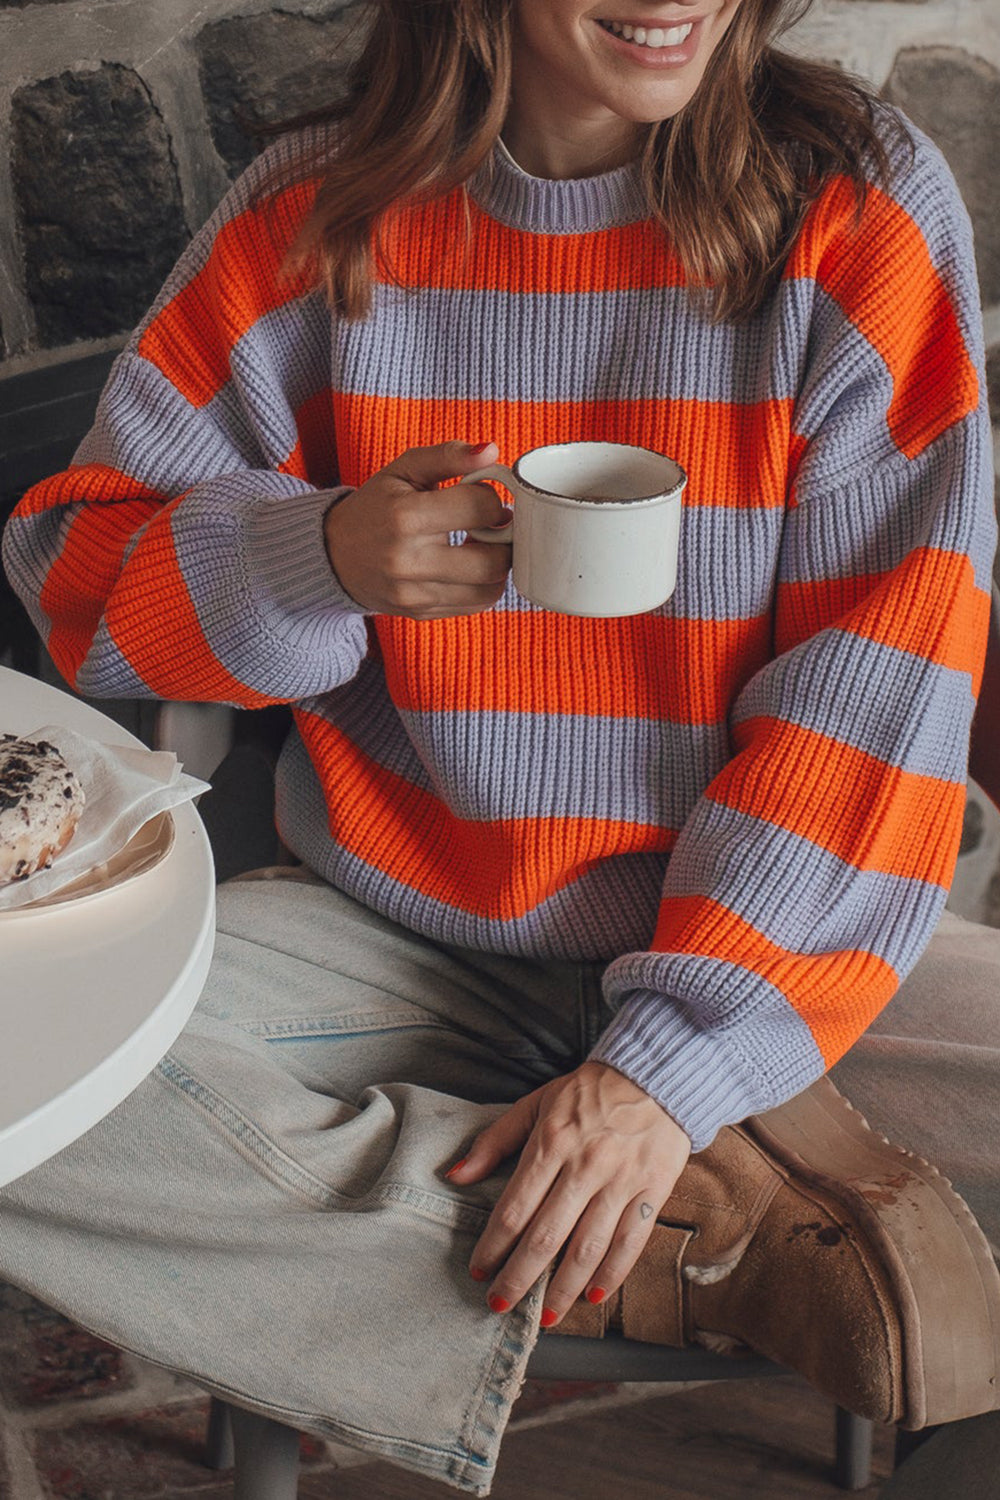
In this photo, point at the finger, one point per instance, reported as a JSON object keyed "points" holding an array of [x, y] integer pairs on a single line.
{"points": [[629, 1239], [474, 563], [585, 1251], [439, 601], [493, 1145], [461, 507], [517, 1205], [534, 1247], [423, 468]]}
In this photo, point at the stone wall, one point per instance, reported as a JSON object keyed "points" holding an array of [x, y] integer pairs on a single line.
{"points": [[120, 128], [121, 122]]}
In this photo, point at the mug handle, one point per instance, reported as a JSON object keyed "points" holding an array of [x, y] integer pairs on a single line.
{"points": [[503, 476]]}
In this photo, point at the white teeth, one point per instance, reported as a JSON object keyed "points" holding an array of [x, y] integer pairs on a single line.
{"points": [[655, 36]]}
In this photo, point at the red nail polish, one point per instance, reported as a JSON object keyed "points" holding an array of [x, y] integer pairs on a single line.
{"points": [[455, 1168], [497, 1304], [596, 1294], [478, 1274], [478, 447], [548, 1317]]}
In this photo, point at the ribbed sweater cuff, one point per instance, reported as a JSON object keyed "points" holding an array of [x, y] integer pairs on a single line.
{"points": [[692, 1072], [289, 573]]}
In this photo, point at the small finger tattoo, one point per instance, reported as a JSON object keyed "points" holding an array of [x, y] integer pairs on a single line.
{"points": [[645, 1209]]}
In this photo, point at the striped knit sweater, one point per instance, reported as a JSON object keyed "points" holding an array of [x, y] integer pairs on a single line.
{"points": [[748, 801]]}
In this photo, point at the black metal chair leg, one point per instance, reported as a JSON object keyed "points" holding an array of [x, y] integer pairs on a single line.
{"points": [[266, 1457], [853, 1463], [219, 1438]]}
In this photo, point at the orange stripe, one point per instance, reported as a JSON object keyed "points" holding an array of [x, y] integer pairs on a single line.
{"points": [[83, 574], [314, 457], [153, 622], [485, 255], [84, 483], [733, 454], [644, 666], [192, 338], [934, 381], [836, 994], [871, 815], [930, 605], [499, 870]]}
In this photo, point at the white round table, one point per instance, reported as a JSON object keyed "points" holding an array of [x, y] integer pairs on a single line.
{"points": [[92, 994]]}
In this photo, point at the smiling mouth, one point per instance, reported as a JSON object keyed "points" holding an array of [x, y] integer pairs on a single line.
{"points": [[649, 36]]}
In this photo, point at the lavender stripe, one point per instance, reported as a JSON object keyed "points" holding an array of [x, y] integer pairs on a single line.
{"points": [[633, 345], [727, 562], [844, 395], [278, 364], [908, 712], [554, 765], [145, 428], [872, 520], [106, 673], [30, 546], [797, 894], [363, 711]]}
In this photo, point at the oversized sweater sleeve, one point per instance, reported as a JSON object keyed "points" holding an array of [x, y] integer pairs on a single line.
{"points": [[181, 555], [810, 875]]}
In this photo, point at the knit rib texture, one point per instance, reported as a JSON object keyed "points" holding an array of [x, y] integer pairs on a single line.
{"points": [[747, 802]]}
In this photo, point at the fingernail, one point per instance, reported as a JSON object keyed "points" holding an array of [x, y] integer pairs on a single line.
{"points": [[548, 1317], [452, 1170], [497, 1304], [478, 1274], [596, 1294], [478, 447]]}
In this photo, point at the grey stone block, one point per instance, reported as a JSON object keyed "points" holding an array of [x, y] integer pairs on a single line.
{"points": [[99, 201], [955, 97], [259, 70]]}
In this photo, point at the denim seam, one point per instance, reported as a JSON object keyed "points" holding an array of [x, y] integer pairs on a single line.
{"points": [[268, 1156], [483, 1426], [451, 1212], [254, 1144], [355, 1021], [296, 1028]]}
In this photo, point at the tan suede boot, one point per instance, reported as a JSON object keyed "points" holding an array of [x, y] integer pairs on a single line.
{"points": [[804, 1236]]}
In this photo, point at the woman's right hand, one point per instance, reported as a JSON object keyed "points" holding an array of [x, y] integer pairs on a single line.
{"points": [[387, 541]]}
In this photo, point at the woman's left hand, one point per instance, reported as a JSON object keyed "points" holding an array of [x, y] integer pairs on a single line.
{"points": [[599, 1158]]}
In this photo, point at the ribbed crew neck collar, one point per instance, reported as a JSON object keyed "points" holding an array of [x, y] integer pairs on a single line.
{"points": [[544, 205]]}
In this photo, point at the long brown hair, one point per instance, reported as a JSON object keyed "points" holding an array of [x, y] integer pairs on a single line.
{"points": [[729, 177]]}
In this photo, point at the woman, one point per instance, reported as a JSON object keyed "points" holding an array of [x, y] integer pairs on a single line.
{"points": [[591, 891]]}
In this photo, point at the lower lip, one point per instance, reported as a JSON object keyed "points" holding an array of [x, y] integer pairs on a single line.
{"points": [[655, 57]]}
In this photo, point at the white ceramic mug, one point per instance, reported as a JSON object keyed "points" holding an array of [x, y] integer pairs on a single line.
{"points": [[595, 529]]}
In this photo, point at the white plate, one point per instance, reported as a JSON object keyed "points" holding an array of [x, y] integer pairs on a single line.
{"points": [[141, 854]]}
